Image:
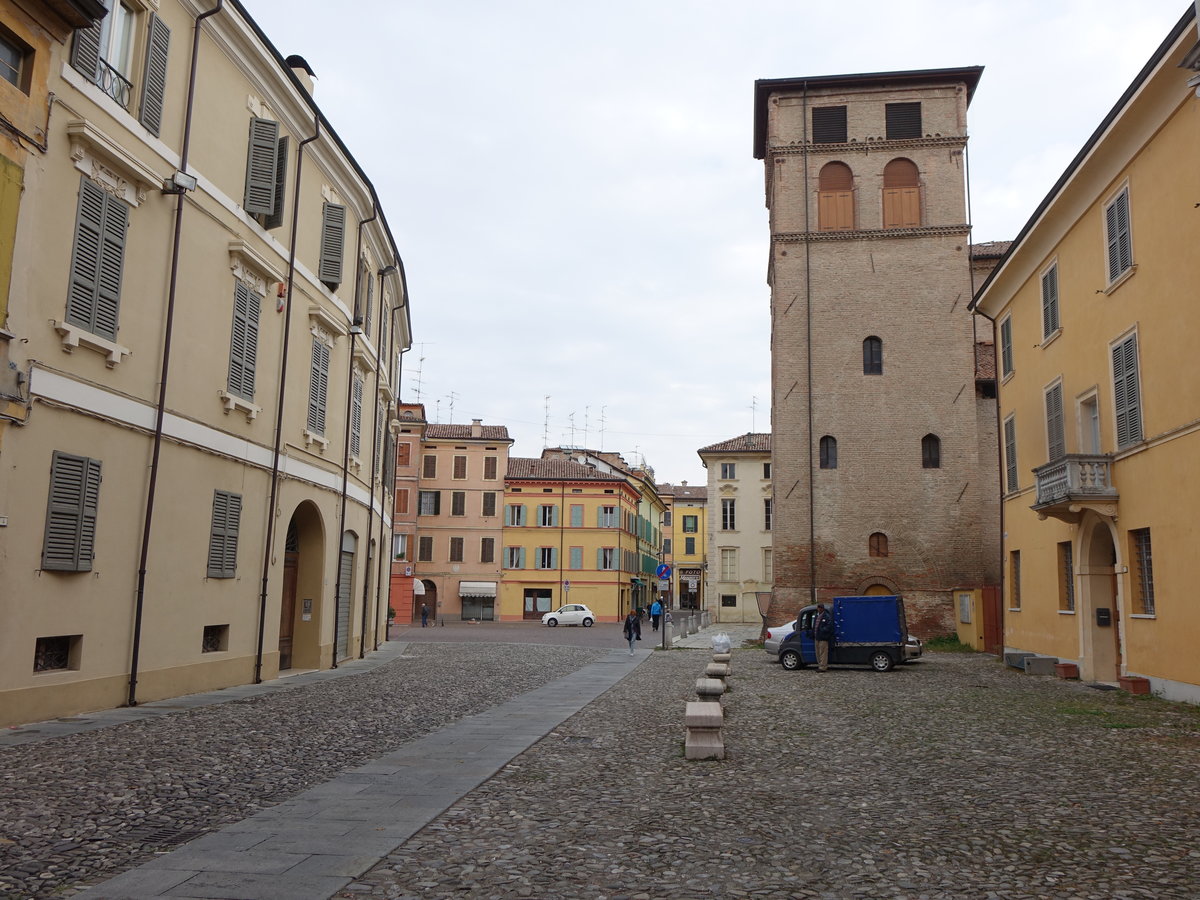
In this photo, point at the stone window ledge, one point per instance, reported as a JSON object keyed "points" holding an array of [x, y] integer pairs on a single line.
{"points": [[73, 336], [233, 402], [310, 438]]}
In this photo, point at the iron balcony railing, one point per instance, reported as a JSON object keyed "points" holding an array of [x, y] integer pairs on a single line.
{"points": [[1076, 476], [113, 83]]}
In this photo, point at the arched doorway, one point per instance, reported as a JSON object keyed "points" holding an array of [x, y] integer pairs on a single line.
{"points": [[300, 600], [344, 593], [877, 590], [1099, 603], [424, 593]]}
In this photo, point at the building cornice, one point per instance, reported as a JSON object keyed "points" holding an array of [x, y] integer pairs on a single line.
{"points": [[841, 148], [872, 234]]}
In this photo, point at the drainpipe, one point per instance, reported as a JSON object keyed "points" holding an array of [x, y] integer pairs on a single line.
{"points": [[168, 333], [388, 478], [282, 395], [376, 448], [812, 508]]}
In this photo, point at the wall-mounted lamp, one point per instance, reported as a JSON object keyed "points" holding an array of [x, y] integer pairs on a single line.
{"points": [[179, 183]]}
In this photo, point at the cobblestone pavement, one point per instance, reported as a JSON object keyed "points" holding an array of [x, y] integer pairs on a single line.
{"points": [[78, 808], [953, 777]]}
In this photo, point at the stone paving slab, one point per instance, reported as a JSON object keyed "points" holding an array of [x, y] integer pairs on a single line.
{"points": [[316, 843]]}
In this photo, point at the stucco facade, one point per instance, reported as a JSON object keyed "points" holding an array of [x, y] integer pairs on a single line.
{"points": [[204, 328], [883, 465], [739, 527], [1094, 311], [685, 519]]}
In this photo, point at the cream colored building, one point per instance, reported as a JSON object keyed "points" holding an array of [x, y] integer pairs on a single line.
{"points": [[204, 305], [740, 519], [1094, 308], [684, 545]]}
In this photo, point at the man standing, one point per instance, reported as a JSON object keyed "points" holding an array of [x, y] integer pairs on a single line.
{"points": [[822, 635], [655, 613], [424, 615]]}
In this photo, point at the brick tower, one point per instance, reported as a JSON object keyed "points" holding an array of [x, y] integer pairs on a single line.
{"points": [[884, 461]]}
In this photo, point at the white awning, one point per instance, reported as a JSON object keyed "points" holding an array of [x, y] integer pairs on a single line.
{"points": [[477, 589], [418, 587]]}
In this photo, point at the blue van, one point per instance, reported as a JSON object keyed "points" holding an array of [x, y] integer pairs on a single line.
{"points": [[869, 631]]}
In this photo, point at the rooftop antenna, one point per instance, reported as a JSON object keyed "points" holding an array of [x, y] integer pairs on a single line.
{"points": [[753, 410], [585, 425], [416, 379], [437, 410], [603, 409], [546, 425], [571, 416], [452, 396]]}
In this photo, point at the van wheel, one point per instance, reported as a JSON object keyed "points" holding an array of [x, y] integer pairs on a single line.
{"points": [[881, 661], [791, 660]]}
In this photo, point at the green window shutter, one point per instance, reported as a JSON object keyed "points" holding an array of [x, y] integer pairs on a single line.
{"points": [[356, 395], [69, 542], [154, 81], [261, 166], [600, 558], [576, 557], [379, 414], [97, 259], [318, 386], [554, 557], [520, 557], [85, 51], [1010, 453], [554, 516], [275, 218], [507, 514], [1006, 352], [576, 516], [333, 244]]}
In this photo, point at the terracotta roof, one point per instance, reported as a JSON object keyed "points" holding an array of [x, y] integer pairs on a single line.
{"points": [[990, 249], [557, 469], [985, 361], [752, 442], [684, 491], [463, 432]]}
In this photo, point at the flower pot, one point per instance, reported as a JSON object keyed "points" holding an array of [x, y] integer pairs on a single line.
{"points": [[1066, 670], [1135, 684]]}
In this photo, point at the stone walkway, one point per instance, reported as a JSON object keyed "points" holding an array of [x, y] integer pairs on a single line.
{"points": [[459, 770]]}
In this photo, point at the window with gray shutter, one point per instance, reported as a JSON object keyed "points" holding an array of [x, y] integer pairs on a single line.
{"points": [[85, 51], [1054, 423], [1116, 230], [275, 218], [223, 537], [243, 344], [1050, 301], [1127, 392], [333, 244], [70, 538], [828, 124], [154, 78], [378, 456], [356, 397], [489, 503], [903, 120], [318, 386], [369, 305], [97, 261], [262, 165], [1010, 454], [1006, 350]]}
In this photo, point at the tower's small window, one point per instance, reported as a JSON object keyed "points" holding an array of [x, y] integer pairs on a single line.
{"points": [[829, 124], [873, 356], [903, 120], [828, 452], [931, 452], [835, 198], [878, 544]]}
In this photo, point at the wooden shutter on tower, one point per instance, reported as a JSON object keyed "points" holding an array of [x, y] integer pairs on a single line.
{"points": [[154, 82], [903, 120], [901, 194], [835, 198]]}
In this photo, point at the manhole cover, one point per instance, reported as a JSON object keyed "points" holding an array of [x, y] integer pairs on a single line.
{"points": [[161, 837]]}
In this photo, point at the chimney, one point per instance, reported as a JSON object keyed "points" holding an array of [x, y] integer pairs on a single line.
{"points": [[302, 70], [476, 428]]}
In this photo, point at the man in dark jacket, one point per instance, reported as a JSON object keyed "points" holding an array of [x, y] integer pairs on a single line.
{"points": [[822, 636], [633, 630]]}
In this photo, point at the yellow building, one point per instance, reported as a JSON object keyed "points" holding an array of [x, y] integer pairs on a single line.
{"points": [[205, 308], [568, 538], [684, 524], [1094, 310]]}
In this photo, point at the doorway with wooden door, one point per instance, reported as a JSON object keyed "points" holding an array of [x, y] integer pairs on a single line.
{"points": [[300, 592], [1100, 628]]}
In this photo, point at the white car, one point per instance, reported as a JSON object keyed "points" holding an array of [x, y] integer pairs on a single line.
{"points": [[775, 636], [571, 614]]}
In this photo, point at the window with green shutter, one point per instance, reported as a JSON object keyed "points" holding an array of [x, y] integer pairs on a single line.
{"points": [[576, 557], [262, 159], [1126, 391], [1010, 454], [69, 543], [1055, 443], [576, 515], [223, 536], [333, 244], [97, 261], [318, 386], [1006, 347], [243, 343]]}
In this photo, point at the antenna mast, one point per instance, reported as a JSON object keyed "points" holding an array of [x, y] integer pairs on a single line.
{"points": [[546, 425]]}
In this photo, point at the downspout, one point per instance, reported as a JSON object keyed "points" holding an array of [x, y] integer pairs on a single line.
{"points": [[168, 334], [283, 367], [355, 331], [812, 509], [389, 476], [562, 526]]}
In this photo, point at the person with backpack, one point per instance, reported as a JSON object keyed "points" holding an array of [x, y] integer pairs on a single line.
{"points": [[823, 636]]}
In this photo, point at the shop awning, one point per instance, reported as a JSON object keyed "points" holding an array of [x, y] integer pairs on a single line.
{"points": [[477, 589], [418, 587]]}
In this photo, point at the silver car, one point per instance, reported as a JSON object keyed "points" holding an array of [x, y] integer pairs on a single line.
{"points": [[775, 636]]}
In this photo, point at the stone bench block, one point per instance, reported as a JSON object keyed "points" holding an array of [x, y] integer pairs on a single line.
{"points": [[716, 670], [709, 688], [704, 714], [1040, 665], [1017, 660], [726, 658], [704, 721]]}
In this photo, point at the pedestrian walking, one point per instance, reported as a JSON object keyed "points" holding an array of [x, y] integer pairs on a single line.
{"points": [[822, 636], [633, 630], [655, 614], [424, 615]]}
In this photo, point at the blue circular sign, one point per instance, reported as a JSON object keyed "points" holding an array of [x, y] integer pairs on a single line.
{"points": [[663, 571]]}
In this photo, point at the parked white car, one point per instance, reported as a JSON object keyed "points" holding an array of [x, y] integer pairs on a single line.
{"points": [[571, 614], [775, 636]]}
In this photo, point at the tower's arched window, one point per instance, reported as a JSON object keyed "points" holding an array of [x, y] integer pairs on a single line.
{"points": [[901, 194], [878, 544], [931, 452], [835, 198], [828, 452], [873, 356]]}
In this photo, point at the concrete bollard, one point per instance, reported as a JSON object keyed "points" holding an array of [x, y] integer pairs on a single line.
{"points": [[703, 721], [726, 658], [716, 670], [710, 689]]}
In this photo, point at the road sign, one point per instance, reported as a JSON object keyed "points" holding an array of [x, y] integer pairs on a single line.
{"points": [[663, 571], [692, 584], [566, 585], [664, 584]]}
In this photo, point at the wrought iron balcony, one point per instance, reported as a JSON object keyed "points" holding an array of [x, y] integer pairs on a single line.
{"points": [[113, 83], [1075, 482]]}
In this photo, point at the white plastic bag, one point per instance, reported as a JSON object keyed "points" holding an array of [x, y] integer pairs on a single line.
{"points": [[720, 642]]}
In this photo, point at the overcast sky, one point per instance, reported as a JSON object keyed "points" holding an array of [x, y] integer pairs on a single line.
{"points": [[573, 189]]}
